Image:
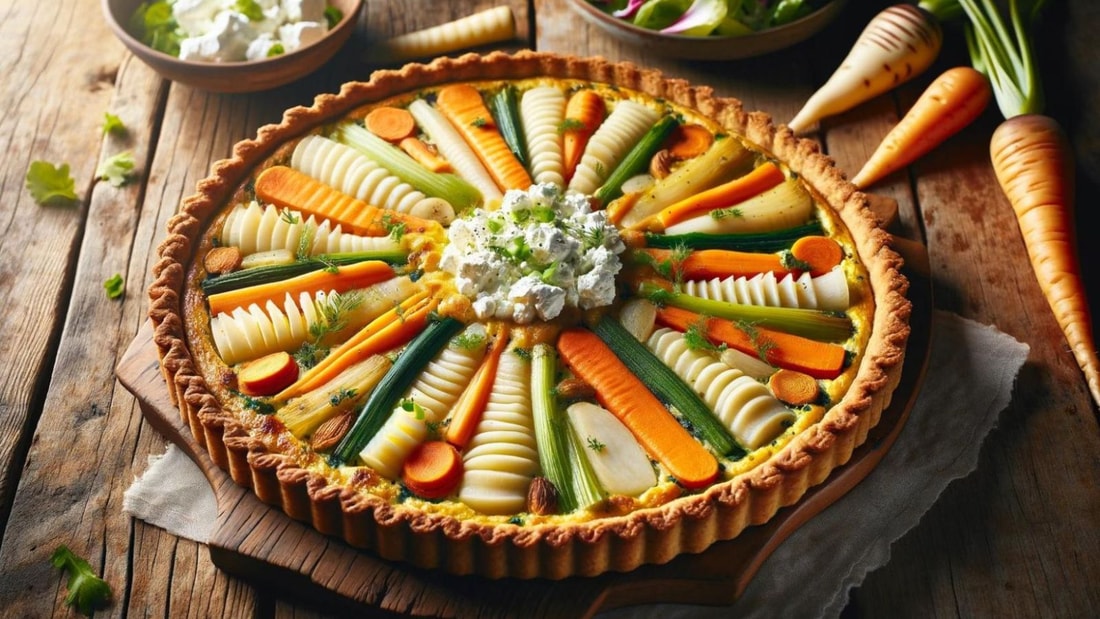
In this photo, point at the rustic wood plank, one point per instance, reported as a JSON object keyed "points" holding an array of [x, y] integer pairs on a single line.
{"points": [[44, 69]]}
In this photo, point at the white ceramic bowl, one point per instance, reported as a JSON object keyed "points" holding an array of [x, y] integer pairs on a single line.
{"points": [[712, 47], [250, 76]]}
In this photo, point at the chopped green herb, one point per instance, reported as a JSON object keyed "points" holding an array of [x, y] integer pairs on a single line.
{"points": [[468, 341], [334, 312], [479, 122], [570, 124], [116, 169], [256, 405], [595, 445], [49, 184], [722, 213], [276, 50], [344, 394], [115, 286], [112, 124], [87, 591], [155, 25], [290, 217], [305, 242], [333, 16], [250, 9], [789, 262]]}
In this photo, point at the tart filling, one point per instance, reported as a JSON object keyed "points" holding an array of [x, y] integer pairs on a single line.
{"points": [[543, 306]]}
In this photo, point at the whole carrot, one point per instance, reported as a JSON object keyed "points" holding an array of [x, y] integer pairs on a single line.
{"points": [[1032, 160], [951, 102]]}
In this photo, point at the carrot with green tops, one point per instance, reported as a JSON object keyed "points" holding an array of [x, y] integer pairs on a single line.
{"points": [[627, 397], [899, 43], [288, 188], [1033, 162], [388, 331], [432, 470], [759, 180], [951, 102], [782, 350], [584, 112], [463, 106], [711, 263], [342, 279], [467, 411]]}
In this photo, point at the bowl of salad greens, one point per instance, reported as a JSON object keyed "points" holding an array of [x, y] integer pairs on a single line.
{"points": [[710, 29], [233, 46]]}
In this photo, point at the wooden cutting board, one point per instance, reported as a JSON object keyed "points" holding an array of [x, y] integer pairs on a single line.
{"points": [[262, 545]]}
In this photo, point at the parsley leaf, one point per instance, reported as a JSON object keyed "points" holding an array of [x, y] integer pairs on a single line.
{"points": [[250, 9], [86, 590], [116, 169], [112, 124], [155, 24], [49, 184], [115, 286], [333, 16]]}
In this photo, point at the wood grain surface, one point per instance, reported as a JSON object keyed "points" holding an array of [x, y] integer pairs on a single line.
{"points": [[1017, 538]]}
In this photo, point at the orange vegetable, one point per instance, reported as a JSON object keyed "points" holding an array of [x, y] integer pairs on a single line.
{"points": [[425, 155], [711, 263], [627, 397], [288, 188], [761, 179], [1033, 162], [821, 253], [347, 277], [471, 404], [689, 141], [584, 112], [463, 106], [951, 102], [392, 124], [794, 388], [268, 374], [388, 331], [432, 470], [782, 350]]}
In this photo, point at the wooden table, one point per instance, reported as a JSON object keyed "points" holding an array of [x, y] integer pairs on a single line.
{"points": [[1018, 537]]}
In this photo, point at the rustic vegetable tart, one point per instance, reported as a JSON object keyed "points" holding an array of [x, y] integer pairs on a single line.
{"points": [[528, 316]]}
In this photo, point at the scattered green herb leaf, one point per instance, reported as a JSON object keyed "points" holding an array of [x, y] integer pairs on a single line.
{"points": [[116, 169], [86, 590], [112, 124], [115, 286], [49, 184]]}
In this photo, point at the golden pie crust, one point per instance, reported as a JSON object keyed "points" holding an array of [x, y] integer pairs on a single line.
{"points": [[652, 535]]}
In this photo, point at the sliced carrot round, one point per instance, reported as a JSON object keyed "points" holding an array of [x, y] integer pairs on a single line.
{"points": [[267, 375], [432, 470], [795, 388], [390, 123], [689, 140], [821, 253]]}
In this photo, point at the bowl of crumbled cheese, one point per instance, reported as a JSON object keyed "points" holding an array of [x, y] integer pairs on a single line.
{"points": [[233, 46]]}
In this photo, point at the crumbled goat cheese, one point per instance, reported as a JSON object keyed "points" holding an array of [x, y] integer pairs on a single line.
{"points": [[539, 253], [216, 31]]}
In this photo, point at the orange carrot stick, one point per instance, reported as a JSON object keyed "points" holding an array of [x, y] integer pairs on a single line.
{"points": [[710, 263], [467, 411], [761, 179], [1033, 163], [288, 188], [347, 277], [628, 398], [782, 350], [391, 329], [425, 155], [584, 112], [952, 101], [463, 106]]}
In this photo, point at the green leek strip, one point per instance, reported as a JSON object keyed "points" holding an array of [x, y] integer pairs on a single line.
{"points": [[558, 455], [416, 356], [763, 242], [637, 160], [278, 272], [458, 192], [505, 110], [814, 324], [666, 385]]}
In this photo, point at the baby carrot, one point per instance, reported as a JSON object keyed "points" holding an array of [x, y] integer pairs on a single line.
{"points": [[951, 102]]}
